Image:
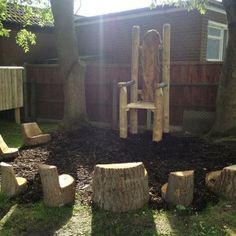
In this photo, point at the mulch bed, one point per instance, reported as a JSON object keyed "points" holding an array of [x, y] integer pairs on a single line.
{"points": [[77, 152]]}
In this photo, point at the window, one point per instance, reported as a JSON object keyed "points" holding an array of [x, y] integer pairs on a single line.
{"points": [[216, 41]]}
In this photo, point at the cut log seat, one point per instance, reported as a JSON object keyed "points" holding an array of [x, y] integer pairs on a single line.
{"points": [[223, 182], [57, 190], [7, 152], [179, 189], [11, 185], [32, 134], [120, 187]]}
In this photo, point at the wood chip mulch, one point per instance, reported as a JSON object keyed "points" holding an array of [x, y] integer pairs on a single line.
{"points": [[77, 152]]}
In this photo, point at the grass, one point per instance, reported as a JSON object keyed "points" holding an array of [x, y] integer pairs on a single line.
{"points": [[32, 219], [37, 219]]}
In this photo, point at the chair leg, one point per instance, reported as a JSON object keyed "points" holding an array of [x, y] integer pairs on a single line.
{"points": [[158, 116], [123, 113], [133, 121]]}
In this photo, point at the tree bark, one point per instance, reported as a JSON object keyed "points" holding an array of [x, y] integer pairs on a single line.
{"points": [[120, 187], [72, 70], [225, 122]]}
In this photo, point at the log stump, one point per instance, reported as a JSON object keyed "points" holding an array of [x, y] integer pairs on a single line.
{"points": [[223, 182], [179, 189], [120, 187]]}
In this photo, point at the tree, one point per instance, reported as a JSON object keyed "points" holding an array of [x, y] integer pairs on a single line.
{"points": [[72, 71], [225, 121]]}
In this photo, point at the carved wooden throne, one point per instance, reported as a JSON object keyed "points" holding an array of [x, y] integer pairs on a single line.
{"points": [[155, 90]]}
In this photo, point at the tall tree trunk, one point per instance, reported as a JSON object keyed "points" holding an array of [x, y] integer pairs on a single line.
{"points": [[225, 122], [72, 70]]}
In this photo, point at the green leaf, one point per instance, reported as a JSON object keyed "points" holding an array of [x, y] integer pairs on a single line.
{"points": [[25, 39]]}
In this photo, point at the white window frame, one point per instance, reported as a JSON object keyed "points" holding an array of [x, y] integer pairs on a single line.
{"points": [[222, 28]]}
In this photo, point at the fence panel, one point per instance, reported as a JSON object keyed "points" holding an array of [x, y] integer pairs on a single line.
{"points": [[193, 87]]}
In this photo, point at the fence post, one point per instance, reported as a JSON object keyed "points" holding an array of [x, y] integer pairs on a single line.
{"points": [[33, 98], [25, 93]]}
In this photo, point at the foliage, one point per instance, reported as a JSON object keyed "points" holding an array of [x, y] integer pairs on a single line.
{"points": [[200, 5], [24, 38], [37, 12]]}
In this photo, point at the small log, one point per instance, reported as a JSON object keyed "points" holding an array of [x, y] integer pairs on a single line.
{"points": [[225, 183], [179, 190], [120, 187]]}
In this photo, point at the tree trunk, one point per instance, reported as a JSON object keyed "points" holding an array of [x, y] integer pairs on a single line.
{"points": [[72, 70], [120, 187], [225, 122]]}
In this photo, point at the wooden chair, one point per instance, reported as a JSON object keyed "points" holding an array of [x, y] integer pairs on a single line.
{"points": [[152, 97], [7, 152], [11, 185], [32, 134], [57, 190]]}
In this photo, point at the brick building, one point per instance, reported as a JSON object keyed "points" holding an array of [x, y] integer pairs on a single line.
{"points": [[194, 37]]}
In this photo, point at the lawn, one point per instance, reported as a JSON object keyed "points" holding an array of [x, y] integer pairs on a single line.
{"points": [[17, 217]]}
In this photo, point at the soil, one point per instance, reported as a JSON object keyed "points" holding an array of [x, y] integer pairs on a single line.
{"points": [[77, 152]]}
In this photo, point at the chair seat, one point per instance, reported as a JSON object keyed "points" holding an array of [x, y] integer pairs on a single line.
{"points": [[38, 139], [141, 105], [65, 180], [21, 181], [9, 152]]}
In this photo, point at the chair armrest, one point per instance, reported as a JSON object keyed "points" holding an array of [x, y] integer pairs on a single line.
{"points": [[161, 85], [126, 84]]}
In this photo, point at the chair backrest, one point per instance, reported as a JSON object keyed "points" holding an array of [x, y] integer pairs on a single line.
{"points": [[150, 65], [51, 188], [8, 179], [30, 130], [3, 145]]}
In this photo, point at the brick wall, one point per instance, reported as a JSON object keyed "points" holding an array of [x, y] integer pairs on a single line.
{"points": [[112, 39]]}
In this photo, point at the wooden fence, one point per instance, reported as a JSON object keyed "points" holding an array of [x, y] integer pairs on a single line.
{"points": [[11, 89], [193, 87]]}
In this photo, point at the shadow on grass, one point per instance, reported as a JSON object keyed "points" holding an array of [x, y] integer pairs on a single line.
{"points": [[34, 219], [134, 223], [217, 220]]}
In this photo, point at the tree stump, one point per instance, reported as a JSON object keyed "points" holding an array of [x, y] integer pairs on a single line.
{"points": [[179, 189], [120, 187], [223, 182]]}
